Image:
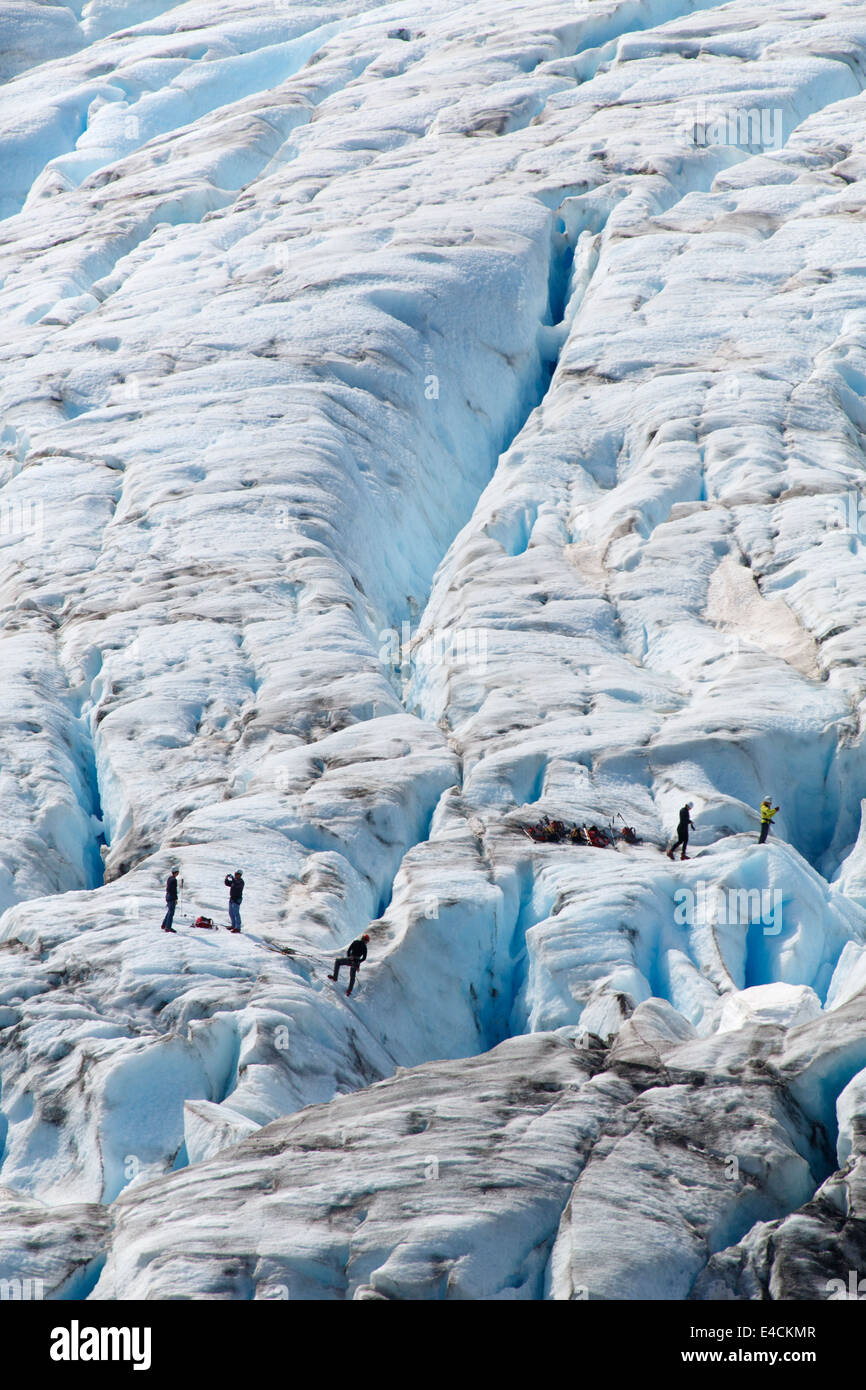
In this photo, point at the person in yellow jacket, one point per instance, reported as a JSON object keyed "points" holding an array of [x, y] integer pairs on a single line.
{"points": [[768, 810]]}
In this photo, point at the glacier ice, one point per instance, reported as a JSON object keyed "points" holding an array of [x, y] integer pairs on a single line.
{"points": [[416, 419]]}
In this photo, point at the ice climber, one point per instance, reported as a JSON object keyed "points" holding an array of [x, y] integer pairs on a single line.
{"points": [[355, 955], [170, 900], [768, 810], [235, 884], [683, 825]]}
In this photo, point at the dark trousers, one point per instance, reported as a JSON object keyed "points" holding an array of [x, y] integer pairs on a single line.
{"points": [[171, 904], [683, 839], [765, 830], [353, 964]]}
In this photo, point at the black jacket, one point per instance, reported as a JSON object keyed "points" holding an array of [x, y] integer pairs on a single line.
{"points": [[685, 819], [235, 885], [171, 889], [358, 951]]}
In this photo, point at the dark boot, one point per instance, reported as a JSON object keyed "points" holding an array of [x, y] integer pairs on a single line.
{"points": [[670, 853]]}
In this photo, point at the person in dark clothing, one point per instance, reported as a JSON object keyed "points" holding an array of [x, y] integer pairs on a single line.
{"points": [[355, 955], [170, 900], [684, 824], [235, 884]]}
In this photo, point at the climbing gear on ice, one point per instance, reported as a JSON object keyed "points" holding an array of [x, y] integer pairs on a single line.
{"points": [[628, 832], [596, 837], [556, 832]]}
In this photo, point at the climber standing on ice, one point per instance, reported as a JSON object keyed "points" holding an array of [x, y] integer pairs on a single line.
{"points": [[685, 821], [170, 900], [768, 810], [235, 885], [355, 955]]}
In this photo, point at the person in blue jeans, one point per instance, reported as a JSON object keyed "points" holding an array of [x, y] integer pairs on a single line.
{"points": [[235, 885]]}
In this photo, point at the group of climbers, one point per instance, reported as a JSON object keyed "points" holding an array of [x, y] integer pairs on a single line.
{"points": [[356, 953], [685, 824], [556, 832], [547, 831], [235, 884]]}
